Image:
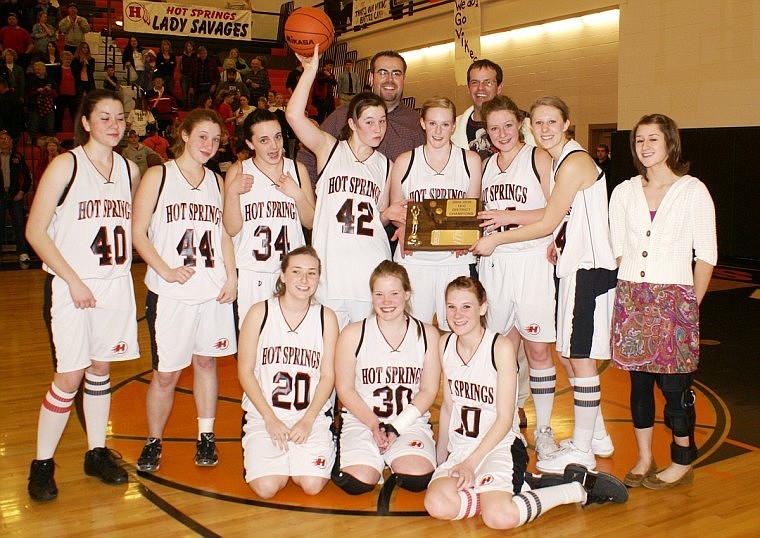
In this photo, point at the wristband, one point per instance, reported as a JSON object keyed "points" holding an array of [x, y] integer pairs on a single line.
{"points": [[406, 418]]}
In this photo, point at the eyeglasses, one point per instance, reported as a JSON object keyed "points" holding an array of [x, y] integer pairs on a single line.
{"points": [[490, 83], [383, 73]]}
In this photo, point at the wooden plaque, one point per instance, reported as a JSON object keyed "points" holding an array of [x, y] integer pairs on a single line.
{"points": [[442, 224]]}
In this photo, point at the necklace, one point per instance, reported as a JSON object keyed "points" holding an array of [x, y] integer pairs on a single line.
{"points": [[110, 171]]}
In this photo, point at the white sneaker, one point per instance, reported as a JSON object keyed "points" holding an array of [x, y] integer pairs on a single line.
{"points": [[545, 443], [23, 257], [567, 454], [602, 448]]}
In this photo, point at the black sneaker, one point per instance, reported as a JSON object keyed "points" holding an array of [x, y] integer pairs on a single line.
{"points": [[101, 462], [150, 457], [205, 451], [41, 482], [600, 487], [543, 480]]}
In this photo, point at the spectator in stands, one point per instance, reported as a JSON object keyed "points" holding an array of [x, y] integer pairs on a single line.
{"points": [[110, 81], [166, 63], [149, 70], [186, 68], [257, 79], [11, 110], [225, 110], [292, 80], [16, 38], [51, 58], [40, 101], [74, 28], [16, 183], [140, 118], [206, 74], [13, 73], [276, 103], [232, 82], [323, 92], [156, 142], [50, 148], [224, 157], [83, 67], [349, 83], [43, 33], [241, 114], [162, 104], [206, 101], [262, 103], [238, 62], [132, 60], [67, 92], [44, 6], [137, 152]]}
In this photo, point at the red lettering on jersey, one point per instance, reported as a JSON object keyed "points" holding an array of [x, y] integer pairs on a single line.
{"points": [[533, 329], [320, 462], [416, 444], [222, 343], [120, 348]]}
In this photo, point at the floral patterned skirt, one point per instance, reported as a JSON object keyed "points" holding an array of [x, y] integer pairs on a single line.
{"points": [[655, 328]]}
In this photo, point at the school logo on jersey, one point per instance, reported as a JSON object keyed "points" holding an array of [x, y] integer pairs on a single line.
{"points": [[222, 343], [485, 480], [533, 329], [320, 462], [416, 444], [120, 348]]}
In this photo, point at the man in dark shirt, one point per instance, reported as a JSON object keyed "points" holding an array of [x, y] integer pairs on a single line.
{"points": [[323, 92], [16, 183], [257, 80], [205, 76]]}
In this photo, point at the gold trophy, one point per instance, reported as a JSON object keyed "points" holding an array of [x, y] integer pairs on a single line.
{"points": [[414, 240]]}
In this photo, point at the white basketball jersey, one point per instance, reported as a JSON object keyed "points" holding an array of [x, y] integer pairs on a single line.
{"points": [[516, 188], [288, 362], [583, 237], [92, 224], [271, 225], [473, 394], [348, 234], [388, 379], [186, 229], [421, 182]]}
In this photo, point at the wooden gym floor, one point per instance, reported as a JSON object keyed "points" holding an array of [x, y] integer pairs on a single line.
{"points": [[181, 499]]}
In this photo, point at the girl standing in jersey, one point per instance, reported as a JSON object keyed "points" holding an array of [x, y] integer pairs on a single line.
{"points": [[351, 193], [577, 213], [436, 169], [660, 220], [285, 366], [191, 281], [515, 188], [269, 199], [387, 376], [80, 226], [481, 453]]}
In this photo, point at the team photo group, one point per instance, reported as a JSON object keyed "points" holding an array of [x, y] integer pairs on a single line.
{"points": [[346, 337]]}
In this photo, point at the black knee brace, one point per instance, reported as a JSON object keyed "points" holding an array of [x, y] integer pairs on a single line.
{"points": [[412, 482], [351, 485], [680, 416], [683, 455]]}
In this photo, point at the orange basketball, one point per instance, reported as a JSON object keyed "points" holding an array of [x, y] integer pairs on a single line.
{"points": [[306, 27]]}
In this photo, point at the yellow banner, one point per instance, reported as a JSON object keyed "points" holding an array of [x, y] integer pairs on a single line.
{"points": [[466, 37], [182, 20]]}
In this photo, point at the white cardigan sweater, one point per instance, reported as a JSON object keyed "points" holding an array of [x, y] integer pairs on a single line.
{"points": [[660, 251]]}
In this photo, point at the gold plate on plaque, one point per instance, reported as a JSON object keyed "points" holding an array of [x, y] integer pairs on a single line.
{"points": [[442, 224]]}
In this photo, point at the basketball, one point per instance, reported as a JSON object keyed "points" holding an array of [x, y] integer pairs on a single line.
{"points": [[306, 27]]}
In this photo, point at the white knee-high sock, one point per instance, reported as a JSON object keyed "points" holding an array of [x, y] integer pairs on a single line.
{"points": [[96, 402], [542, 385], [600, 431], [533, 503], [54, 414], [587, 395]]}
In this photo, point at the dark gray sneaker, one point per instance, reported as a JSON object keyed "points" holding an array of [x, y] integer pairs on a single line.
{"points": [[41, 482], [150, 457], [600, 487], [102, 463], [205, 451]]}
